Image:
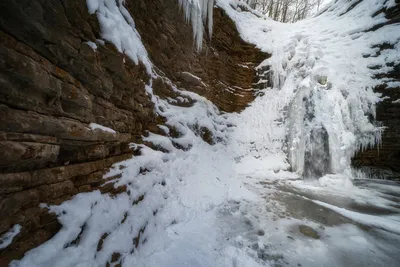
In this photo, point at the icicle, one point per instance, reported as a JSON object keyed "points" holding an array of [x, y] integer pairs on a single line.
{"points": [[198, 12], [210, 17]]}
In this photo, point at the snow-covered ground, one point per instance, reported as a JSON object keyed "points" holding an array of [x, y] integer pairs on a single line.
{"points": [[241, 201]]}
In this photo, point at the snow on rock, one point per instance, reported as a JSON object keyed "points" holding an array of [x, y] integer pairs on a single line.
{"points": [[92, 45], [94, 126], [118, 27], [190, 78], [7, 238]]}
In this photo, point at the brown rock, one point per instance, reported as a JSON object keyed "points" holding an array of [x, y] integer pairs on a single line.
{"points": [[84, 188], [17, 201], [190, 78], [20, 155], [308, 231], [9, 136], [59, 174], [226, 65], [13, 182]]}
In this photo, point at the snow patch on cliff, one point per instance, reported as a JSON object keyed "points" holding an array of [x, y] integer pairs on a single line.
{"points": [[7, 238], [94, 126], [118, 27]]}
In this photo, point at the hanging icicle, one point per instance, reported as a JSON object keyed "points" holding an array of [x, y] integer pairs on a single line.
{"points": [[199, 13]]}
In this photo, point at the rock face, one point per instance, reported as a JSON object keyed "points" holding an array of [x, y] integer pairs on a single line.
{"points": [[223, 72], [53, 84], [384, 160]]}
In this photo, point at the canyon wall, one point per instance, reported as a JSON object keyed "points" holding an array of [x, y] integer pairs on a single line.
{"points": [[384, 160], [53, 84]]}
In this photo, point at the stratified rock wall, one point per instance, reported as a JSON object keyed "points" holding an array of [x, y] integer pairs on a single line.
{"points": [[225, 65], [53, 84], [384, 161]]}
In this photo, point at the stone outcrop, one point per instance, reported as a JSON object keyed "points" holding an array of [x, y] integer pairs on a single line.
{"points": [[53, 84]]}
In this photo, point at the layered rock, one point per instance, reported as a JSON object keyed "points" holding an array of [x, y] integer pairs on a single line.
{"points": [[53, 84], [384, 160], [223, 72]]}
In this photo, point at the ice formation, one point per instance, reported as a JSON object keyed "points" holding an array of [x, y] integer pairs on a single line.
{"points": [[320, 69], [199, 12]]}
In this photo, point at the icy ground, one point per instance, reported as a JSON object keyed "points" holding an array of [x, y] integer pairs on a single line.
{"points": [[238, 202]]}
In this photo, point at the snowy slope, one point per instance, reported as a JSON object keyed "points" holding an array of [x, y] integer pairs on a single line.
{"points": [[218, 205]]}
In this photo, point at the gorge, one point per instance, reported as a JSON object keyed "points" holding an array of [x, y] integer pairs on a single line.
{"points": [[198, 133]]}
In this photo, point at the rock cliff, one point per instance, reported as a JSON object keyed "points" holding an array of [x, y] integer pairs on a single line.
{"points": [[54, 84], [384, 160]]}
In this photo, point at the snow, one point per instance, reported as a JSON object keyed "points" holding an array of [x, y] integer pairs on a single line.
{"points": [[92, 45], [95, 126], [164, 128], [393, 84], [390, 3], [383, 222], [190, 203], [118, 27], [7, 238], [371, 195]]}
